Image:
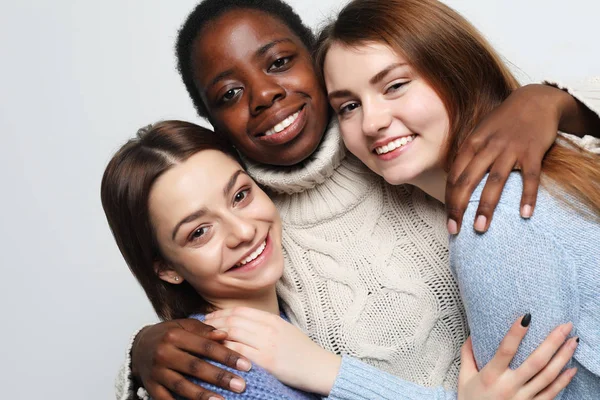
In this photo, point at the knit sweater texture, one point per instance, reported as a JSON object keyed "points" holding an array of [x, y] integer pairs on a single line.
{"points": [[367, 266], [548, 266]]}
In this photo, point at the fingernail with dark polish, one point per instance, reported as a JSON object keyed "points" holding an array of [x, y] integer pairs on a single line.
{"points": [[452, 227], [577, 340], [526, 320]]}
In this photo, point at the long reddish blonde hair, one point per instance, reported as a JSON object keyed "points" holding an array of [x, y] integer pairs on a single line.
{"points": [[466, 72]]}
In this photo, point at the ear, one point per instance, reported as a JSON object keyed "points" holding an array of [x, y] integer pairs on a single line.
{"points": [[167, 274]]}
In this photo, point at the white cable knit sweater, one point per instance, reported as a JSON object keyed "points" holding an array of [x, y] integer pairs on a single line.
{"points": [[367, 267]]}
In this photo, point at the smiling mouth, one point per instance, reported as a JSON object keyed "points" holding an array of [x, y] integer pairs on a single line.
{"points": [[393, 145], [253, 255], [285, 123]]}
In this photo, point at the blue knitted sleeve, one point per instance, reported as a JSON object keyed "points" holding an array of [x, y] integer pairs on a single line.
{"points": [[359, 381], [536, 266]]}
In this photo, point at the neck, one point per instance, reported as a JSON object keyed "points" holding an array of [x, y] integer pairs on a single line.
{"points": [[265, 301], [433, 183]]}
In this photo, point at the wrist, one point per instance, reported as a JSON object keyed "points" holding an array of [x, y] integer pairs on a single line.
{"points": [[134, 345], [326, 373]]}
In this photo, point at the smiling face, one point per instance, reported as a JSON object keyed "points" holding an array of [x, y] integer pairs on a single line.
{"points": [[390, 118], [216, 229], [259, 86]]}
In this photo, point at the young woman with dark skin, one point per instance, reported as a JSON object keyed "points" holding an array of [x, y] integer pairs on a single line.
{"points": [[262, 65]]}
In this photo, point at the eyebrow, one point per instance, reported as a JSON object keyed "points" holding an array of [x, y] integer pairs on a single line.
{"points": [[339, 94], [259, 53], [199, 213], [382, 74], [193, 216], [232, 180]]}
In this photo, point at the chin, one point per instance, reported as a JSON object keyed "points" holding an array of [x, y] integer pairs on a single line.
{"points": [[396, 178]]}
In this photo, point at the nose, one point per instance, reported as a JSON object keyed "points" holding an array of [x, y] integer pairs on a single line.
{"points": [[240, 231], [265, 92], [375, 118]]}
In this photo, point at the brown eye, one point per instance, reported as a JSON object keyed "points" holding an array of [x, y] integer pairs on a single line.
{"points": [[279, 63], [198, 233], [241, 196], [230, 94]]}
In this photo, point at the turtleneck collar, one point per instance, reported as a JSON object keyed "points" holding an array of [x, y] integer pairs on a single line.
{"points": [[307, 174]]}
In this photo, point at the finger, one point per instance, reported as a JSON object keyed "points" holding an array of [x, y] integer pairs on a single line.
{"points": [[559, 384], [242, 330], [217, 335], [540, 357], [194, 326], [507, 349], [460, 188], [183, 387], [552, 370], [243, 349], [530, 171], [468, 366], [490, 196], [208, 348], [207, 372], [158, 392]]}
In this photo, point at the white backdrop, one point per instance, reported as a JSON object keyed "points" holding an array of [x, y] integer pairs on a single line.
{"points": [[77, 78]]}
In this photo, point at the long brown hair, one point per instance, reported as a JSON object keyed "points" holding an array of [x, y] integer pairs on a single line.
{"points": [[462, 67], [125, 190]]}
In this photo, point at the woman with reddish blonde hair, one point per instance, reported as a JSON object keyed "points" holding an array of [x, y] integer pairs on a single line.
{"points": [[409, 81]]}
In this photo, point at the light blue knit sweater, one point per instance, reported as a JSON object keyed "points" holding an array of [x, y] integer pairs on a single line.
{"points": [[548, 266], [260, 384]]}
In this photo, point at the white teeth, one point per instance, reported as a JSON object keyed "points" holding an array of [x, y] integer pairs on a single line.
{"points": [[254, 254], [394, 145], [283, 124]]}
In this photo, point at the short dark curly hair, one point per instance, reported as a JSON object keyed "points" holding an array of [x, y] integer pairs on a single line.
{"points": [[209, 10]]}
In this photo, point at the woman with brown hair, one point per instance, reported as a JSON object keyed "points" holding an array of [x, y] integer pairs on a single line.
{"points": [[201, 237], [409, 81]]}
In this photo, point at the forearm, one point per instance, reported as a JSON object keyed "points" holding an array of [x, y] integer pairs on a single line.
{"points": [[359, 381], [579, 107]]}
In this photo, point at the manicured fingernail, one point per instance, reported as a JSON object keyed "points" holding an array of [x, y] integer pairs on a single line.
{"points": [[526, 211], [215, 398], [577, 340], [243, 365], [566, 328], [452, 227], [573, 343], [526, 320], [480, 223], [237, 385]]}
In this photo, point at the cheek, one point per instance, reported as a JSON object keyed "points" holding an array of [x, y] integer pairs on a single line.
{"points": [[353, 137], [200, 265]]}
